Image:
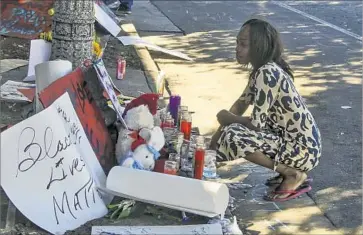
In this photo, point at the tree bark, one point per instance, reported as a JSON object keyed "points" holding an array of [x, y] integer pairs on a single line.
{"points": [[73, 30]]}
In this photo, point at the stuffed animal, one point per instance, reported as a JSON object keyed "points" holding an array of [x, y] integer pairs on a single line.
{"points": [[145, 150], [138, 146]]}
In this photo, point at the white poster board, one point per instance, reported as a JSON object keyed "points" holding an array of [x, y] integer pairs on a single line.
{"points": [[135, 40], [107, 84], [106, 21], [207, 229], [40, 51], [48, 170]]}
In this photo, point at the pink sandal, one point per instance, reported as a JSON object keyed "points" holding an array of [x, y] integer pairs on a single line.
{"points": [[293, 193]]}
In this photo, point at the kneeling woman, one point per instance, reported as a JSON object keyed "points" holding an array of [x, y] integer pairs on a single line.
{"points": [[281, 133]]}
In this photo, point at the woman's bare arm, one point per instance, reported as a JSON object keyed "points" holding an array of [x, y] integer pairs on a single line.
{"points": [[238, 108]]}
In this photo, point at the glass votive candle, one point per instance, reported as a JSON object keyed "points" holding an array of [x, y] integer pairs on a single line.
{"points": [[171, 168]]}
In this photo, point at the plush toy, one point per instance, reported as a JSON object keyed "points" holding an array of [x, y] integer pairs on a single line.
{"points": [[138, 146]]}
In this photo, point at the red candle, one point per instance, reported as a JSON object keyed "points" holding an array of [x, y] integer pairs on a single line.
{"points": [[199, 163], [186, 128]]}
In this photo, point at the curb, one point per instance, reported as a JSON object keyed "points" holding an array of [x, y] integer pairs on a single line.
{"points": [[154, 77]]}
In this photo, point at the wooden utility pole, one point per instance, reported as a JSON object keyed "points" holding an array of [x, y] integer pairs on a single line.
{"points": [[73, 30]]}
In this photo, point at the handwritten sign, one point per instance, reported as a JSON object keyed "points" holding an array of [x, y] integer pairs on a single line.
{"points": [[87, 111], [106, 81], [47, 169], [25, 20]]}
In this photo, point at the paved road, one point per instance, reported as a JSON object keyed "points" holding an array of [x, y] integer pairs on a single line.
{"points": [[323, 49]]}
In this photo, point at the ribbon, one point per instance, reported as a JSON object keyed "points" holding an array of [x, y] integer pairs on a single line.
{"points": [[135, 165], [138, 140], [153, 151]]}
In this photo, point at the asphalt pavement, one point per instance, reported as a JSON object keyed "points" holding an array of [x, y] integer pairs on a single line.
{"points": [[324, 47]]}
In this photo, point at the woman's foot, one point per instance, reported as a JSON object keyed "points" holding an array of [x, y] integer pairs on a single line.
{"points": [[274, 180], [293, 179], [277, 180]]}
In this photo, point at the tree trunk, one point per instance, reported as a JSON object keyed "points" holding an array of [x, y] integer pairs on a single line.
{"points": [[73, 30]]}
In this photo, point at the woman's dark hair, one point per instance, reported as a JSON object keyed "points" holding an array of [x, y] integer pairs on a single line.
{"points": [[265, 46]]}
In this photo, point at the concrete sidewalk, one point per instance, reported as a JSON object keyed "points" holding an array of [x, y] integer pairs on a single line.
{"points": [[198, 83]]}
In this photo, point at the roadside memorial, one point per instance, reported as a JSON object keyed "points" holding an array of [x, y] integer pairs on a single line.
{"points": [[50, 172], [87, 111], [70, 153], [26, 20]]}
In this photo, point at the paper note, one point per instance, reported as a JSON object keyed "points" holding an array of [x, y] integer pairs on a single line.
{"points": [[9, 91], [106, 82], [106, 21], [199, 229], [44, 172], [10, 64], [134, 40], [40, 51]]}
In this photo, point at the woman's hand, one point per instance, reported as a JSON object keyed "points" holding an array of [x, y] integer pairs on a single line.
{"points": [[225, 117]]}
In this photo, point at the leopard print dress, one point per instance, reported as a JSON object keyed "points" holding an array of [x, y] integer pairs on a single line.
{"points": [[289, 134]]}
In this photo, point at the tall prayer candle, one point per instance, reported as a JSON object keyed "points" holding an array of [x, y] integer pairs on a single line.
{"points": [[186, 124], [174, 103]]}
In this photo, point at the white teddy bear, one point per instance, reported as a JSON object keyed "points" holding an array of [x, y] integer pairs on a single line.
{"points": [[138, 146]]}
